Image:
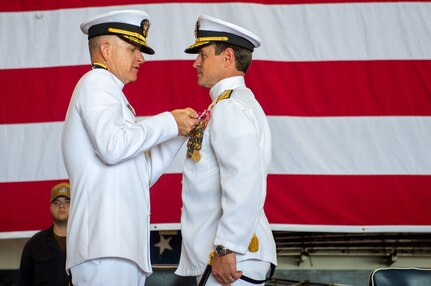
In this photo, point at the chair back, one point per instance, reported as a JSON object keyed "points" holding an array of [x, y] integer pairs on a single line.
{"points": [[393, 276]]}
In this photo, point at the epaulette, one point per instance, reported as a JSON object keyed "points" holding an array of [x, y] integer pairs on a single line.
{"points": [[225, 95]]}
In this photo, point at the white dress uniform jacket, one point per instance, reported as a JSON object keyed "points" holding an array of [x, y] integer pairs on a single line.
{"points": [[112, 161], [224, 193]]}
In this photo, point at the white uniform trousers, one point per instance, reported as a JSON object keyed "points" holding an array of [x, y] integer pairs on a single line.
{"points": [[108, 272], [254, 269]]}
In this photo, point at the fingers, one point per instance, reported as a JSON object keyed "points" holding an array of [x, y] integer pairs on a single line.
{"points": [[186, 120], [192, 112], [224, 269], [229, 278], [234, 276]]}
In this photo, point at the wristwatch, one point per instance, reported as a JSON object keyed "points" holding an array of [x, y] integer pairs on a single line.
{"points": [[220, 250]]}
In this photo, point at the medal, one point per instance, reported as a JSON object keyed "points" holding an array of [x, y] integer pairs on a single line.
{"points": [[196, 136], [194, 144]]}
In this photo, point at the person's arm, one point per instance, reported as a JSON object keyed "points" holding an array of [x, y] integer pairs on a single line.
{"points": [[236, 143], [162, 156], [115, 135]]}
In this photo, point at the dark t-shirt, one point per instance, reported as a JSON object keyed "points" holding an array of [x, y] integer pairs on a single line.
{"points": [[61, 242]]}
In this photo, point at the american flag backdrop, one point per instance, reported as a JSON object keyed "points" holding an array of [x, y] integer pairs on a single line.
{"points": [[346, 86]]}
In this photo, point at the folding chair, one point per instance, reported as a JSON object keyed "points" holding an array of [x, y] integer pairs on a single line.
{"points": [[393, 276]]}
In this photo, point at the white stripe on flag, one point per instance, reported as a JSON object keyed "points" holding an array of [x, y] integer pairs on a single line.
{"points": [[361, 31], [301, 145], [351, 145], [33, 152]]}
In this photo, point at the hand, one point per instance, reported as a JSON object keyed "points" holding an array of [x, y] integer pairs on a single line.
{"points": [[224, 269], [186, 119]]}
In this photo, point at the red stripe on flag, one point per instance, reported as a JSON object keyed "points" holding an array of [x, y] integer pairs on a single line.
{"points": [[349, 200], [14, 6], [25, 205], [166, 199], [292, 199], [344, 88], [46, 93]]}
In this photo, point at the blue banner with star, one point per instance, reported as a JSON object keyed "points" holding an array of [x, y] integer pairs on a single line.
{"points": [[165, 247]]}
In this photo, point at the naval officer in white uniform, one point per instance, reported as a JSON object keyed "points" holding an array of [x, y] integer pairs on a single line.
{"points": [[112, 159], [228, 157]]}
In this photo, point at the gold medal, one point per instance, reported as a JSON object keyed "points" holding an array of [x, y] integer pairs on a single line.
{"points": [[196, 155]]}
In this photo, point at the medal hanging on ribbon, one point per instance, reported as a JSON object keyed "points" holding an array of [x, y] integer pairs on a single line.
{"points": [[194, 144]]}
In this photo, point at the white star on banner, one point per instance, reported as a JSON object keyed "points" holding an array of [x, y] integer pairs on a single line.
{"points": [[163, 244]]}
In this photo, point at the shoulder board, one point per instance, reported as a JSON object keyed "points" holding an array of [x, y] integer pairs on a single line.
{"points": [[225, 95]]}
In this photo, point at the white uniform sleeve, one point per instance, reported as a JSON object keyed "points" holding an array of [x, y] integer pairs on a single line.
{"points": [[114, 134], [235, 140], [161, 157]]}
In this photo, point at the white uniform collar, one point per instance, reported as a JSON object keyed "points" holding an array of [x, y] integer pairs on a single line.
{"points": [[118, 82], [227, 83]]}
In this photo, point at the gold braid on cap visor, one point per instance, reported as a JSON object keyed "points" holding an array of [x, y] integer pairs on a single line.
{"points": [[211, 39], [205, 40], [133, 36]]}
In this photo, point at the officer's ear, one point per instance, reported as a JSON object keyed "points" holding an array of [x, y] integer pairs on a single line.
{"points": [[229, 57], [105, 48]]}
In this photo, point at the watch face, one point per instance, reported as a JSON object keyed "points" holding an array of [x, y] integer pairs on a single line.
{"points": [[220, 250]]}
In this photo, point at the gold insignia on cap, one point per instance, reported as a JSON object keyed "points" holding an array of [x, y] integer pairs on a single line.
{"points": [[145, 25]]}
